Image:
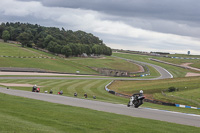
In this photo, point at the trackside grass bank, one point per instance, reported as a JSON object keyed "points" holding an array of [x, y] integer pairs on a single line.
{"points": [[175, 71], [22, 115], [81, 86], [186, 89], [12, 55], [91, 87]]}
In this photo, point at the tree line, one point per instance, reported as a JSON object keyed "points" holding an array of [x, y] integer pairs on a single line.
{"points": [[60, 41]]}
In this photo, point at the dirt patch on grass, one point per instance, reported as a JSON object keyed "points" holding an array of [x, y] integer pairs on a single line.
{"points": [[141, 69], [192, 74], [186, 64], [18, 85]]}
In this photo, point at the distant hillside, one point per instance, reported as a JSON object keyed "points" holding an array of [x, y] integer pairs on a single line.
{"points": [[60, 41]]}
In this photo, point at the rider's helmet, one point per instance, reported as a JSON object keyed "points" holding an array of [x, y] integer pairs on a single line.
{"points": [[141, 91]]}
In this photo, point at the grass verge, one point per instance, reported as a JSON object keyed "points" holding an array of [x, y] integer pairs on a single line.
{"points": [[91, 87], [24, 115], [67, 65]]}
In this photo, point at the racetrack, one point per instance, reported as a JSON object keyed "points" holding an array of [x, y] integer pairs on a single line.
{"points": [[174, 117], [163, 72]]}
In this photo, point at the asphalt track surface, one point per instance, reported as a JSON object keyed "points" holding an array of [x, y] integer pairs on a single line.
{"points": [[168, 116], [163, 72], [174, 117]]}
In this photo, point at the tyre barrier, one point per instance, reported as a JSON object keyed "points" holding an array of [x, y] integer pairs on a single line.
{"points": [[108, 90], [185, 58], [112, 92], [106, 87], [159, 102], [185, 106], [27, 57]]}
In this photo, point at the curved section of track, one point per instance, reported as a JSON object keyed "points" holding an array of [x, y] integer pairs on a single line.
{"points": [[163, 72], [174, 117]]}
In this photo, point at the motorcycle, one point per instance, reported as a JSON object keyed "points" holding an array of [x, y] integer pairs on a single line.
{"points": [[136, 101]]}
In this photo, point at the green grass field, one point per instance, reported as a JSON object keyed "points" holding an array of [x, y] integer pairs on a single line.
{"points": [[194, 62], [69, 87], [189, 89], [68, 65], [24, 115], [107, 62], [7, 49], [91, 87], [175, 71], [21, 114]]}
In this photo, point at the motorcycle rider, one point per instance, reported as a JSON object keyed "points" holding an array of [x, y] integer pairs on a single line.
{"points": [[135, 96], [138, 94], [61, 92], [34, 88], [38, 90], [51, 91]]}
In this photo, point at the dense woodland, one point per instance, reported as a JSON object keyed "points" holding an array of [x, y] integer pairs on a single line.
{"points": [[60, 41]]}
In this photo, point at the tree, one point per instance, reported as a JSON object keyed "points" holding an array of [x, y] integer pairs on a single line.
{"points": [[78, 49], [5, 35], [25, 39], [88, 49], [48, 39], [57, 49], [51, 46], [66, 50], [109, 51], [39, 39], [74, 49], [97, 49], [2, 28], [53, 38]]}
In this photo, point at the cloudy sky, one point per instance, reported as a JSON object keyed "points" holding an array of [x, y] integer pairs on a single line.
{"points": [[142, 25]]}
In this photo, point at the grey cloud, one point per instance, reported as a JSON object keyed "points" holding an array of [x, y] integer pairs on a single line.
{"points": [[166, 16], [185, 10], [164, 26], [179, 17]]}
